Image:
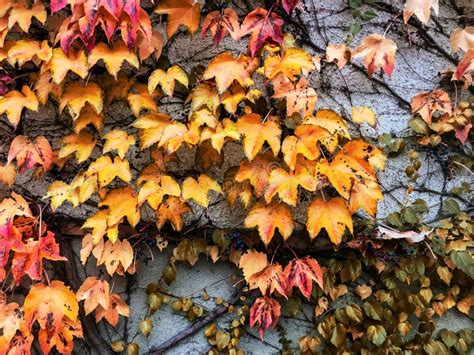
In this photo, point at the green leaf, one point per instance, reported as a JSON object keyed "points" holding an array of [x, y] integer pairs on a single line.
{"points": [[354, 312], [395, 220], [369, 15], [448, 337], [376, 334], [451, 206], [338, 337], [410, 216], [464, 261], [355, 29], [373, 309], [419, 126], [355, 4]]}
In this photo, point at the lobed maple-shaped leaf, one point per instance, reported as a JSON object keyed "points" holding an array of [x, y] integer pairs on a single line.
{"points": [[11, 321], [329, 120], [140, 99], [154, 191], [7, 174], [268, 280], [78, 191], [420, 8], [50, 305], [338, 52], [113, 58], [94, 292], [289, 5], [167, 79], [117, 257], [364, 195], [204, 95], [151, 127], [332, 215], [462, 38], [122, 202], [427, 103], [63, 339], [45, 86], [119, 141], [61, 63], [257, 171], [362, 114], [293, 63], [172, 210], [111, 314], [76, 96], [24, 51], [236, 191], [180, 12], [22, 14], [256, 133], [224, 68], [30, 261], [224, 130], [206, 156], [302, 273], [81, 144], [265, 28], [221, 22], [174, 135], [13, 206], [232, 97], [268, 218], [378, 52], [107, 170], [299, 97], [265, 312], [99, 224], [465, 66], [252, 262], [10, 239], [198, 190], [28, 153], [13, 103]]}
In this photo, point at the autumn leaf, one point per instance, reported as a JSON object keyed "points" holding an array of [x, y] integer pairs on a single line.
{"points": [[420, 8], [232, 97], [252, 262], [332, 215], [81, 145], [268, 218], [180, 12], [265, 312], [24, 51], [50, 306], [236, 191], [22, 14], [107, 170], [219, 23], [7, 174], [465, 66], [94, 292], [76, 96], [206, 156], [299, 97], [265, 28], [78, 191], [174, 135], [117, 257], [122, 202], [118, 140], [329, 120], [289, 5], [427, 103], [63, 339], [61, 63], [166, 79], [99, 224], [154, 191], [378, 52], [113, 58], [151, 127], [338, 52], [256, 133], [224, 131], [204, 95], [302, 273], [10, 239], [13, 103], [293, 63], [462, 38], [111, 314], [11, 319], [268, 280], [45, 86], [28, 153], [225, 69], [257, 171], [365, 196], [13, 206], [199, 190], [362, 114], [172, 210]]}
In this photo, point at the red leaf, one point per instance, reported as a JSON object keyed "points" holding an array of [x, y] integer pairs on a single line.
{"points": [[301, 273], [265, 28], [266, 312], [219, 23], [289, 5], [10, 239]]}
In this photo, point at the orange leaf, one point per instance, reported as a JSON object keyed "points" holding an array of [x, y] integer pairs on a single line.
{"points": [[81, 144], [113, 58], [199, 190], [29, 153], [203, 95], [122, 203], [13, 103], [151, 128], [12, 207], [421, 9], [268, 280], [78, 191], [338, 52], [379, 52], [365, 196], [268, 218], [94, 292], [465, 66], [265, 312], [117, 257], [63, 339], [166, 79], [329, 120], [117, 307], [76, 96], [61, 63], [107, 170], [294, 62], [427, 103], [225, 69], [256, 133], [236, 190], [7, 174], [252, 262], [462, 38], [299, 97], [24, 50], [180, 12], [226, 129], [172, 210], [332, 215], [302, 273], [22, 14], [118, 140], [257, 171], [154, 191]]}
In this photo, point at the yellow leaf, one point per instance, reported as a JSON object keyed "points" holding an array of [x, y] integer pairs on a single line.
{"points": [[151, 127], [460, 38], [218, 136], [420, 8], [78, 191], [117, 257], [268, 218], [256, 133], [365, 195], [7, 174], [122, 202], [13, 103], [140, 99], [293, 63], [257, 171], [76, 96], [81, 144], [107, 170], [199, 190], [98, 223], [21, 13], [329, 120], [166, 79], [113, 58], [23, 51], [338, 52], [118, 140], [180, 12], [332, 215], [88, 116], [172, 210], [252, 262], [203, 95], [225, 69], [154, 191], [61, 63], [362, 114]]}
